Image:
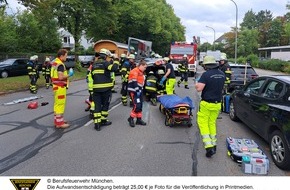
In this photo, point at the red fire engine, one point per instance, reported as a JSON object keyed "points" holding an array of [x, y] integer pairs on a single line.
{"points": [[179, 49]]}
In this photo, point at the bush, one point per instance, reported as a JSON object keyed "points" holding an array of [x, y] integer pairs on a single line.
{"points": [[254, 59]]}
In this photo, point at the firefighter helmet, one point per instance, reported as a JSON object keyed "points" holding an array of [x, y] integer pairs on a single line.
{"points": [[223, 56], [151, 73], [123, 55], [209, 60], [47, 59], [105, 52], [131, 56], [160, 72], [166, 58], [185, 55], [33, 58], [32, 105]]}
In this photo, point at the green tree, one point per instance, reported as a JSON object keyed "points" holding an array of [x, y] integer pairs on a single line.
{"points": [[249, 20], [8, 35], [287, 31], [248, 42], [275, 32]]}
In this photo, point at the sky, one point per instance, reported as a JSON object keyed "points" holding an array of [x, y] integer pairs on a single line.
{"points": [[220, 15]]}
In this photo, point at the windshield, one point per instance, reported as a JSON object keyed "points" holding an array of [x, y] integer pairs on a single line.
{"points": [[7, 62], [181, 50]]}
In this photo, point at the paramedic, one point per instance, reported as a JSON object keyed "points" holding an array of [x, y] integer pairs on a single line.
{"points": [[169, 77], [210, 85], [135, 88], [59, 79]]}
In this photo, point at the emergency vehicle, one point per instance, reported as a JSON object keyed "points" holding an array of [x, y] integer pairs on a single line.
{"points": [[179, 49], [141, 48]]}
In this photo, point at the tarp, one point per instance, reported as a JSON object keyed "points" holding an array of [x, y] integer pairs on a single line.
{"points": [[171, 101]]}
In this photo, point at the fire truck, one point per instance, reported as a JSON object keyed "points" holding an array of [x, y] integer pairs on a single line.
{"points": [[179, 49]]}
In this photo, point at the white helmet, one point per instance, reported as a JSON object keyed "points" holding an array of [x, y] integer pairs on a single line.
{"points": [[47, 59], [184, 55], [160, 72], [223, 56], [105, 51], [33, 58], [131, 56], [209, 60]]}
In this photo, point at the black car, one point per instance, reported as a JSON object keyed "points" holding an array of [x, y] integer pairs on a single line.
{"points": [[264, 105], [241, 74], [13, 67]]}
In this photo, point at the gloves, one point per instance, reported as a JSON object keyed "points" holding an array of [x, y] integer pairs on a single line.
{"points": [[162, 81], [70, 72], [138, 94]]}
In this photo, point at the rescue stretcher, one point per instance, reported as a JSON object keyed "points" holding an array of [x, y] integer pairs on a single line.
{"points": [[177, 111]]}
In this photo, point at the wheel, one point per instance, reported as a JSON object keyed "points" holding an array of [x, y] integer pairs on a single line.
{"points": [[232, 113], [168, 121], [4, 74], [279, 150], [189, 124]]}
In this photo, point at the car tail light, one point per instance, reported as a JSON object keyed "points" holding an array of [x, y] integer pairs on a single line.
{"points": [[254, 76]]}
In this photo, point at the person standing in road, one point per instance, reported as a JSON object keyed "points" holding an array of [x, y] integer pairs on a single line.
{"points": [[33, 73], [59, 78], [102, 87], [210, 85], [169, 77], [135, 88], [226, 68], [127, 66], [183, 70], [46, 72]]}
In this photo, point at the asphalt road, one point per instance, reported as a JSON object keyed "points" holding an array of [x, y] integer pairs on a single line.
{"points": [[30, 146]]}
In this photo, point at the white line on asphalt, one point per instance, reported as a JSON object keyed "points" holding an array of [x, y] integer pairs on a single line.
{"points": [[91, 121]]}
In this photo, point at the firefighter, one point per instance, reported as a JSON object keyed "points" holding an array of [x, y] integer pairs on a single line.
{"points": [[183, 70], [46, 72], [160, 88], [33, 73], [102, 85], [89, 101], [169, 77], [210, 85], [59, 78], [135, 88], [115, 59], [127, 66], [123, 58], [151, 88], [225, 67]]}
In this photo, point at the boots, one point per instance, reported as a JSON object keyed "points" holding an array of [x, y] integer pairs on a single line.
{"points": [[140, 122], [97, 126], [105, 122], [131, 121], [209, 152], [186, 87], [63, 126], [178, 83]]}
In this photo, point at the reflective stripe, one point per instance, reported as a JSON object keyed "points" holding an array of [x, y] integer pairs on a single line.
{"points": [[150, 88], [61, 97], [205, 136], [98, 71], [105, 85]]}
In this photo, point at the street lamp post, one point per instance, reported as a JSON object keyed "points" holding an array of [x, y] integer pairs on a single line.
{"points": [[236, 31], [213, 36]]}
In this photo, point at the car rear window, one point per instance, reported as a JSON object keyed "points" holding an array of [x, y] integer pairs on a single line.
{"points": [[241, 70]]}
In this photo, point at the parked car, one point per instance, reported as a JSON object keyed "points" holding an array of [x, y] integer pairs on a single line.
{"points": [[86, 60], [241, 74], [264, 105], [70, 62], [13, 67]]}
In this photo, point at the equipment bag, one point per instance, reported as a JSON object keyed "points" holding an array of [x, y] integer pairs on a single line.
{"points": [[237, 148], [226, 103]]}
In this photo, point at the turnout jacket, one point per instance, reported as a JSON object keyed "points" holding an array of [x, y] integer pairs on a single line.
{"points": [[101, 75], [136, 81]]}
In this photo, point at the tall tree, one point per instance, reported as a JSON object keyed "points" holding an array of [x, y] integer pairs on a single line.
{"points": [[249, 20], [8, 35]]}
